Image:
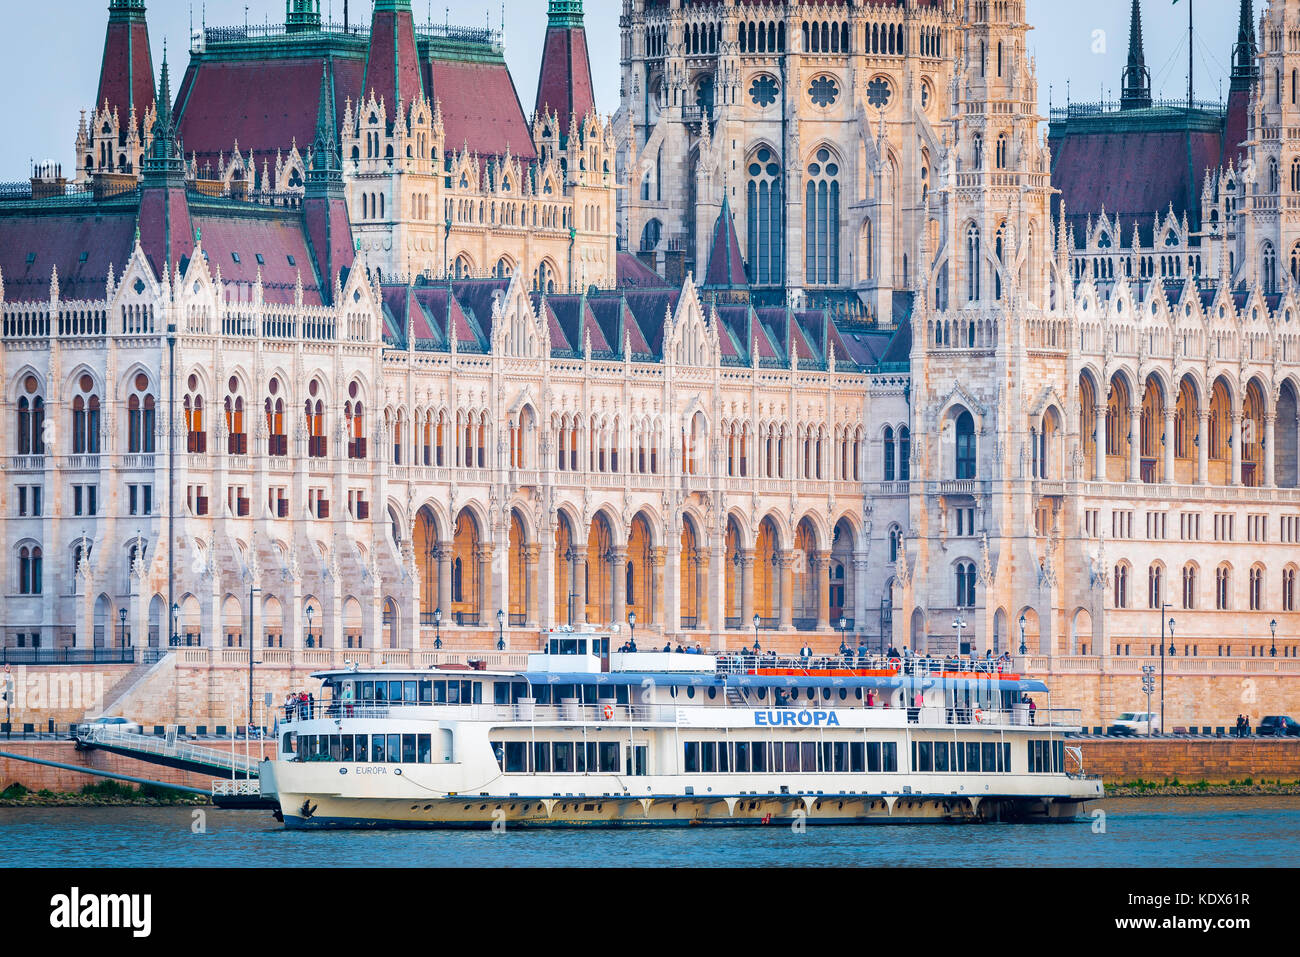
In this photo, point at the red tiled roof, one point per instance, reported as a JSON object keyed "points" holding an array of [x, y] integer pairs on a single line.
{"points": [[264, 104], [126, 75], [726, 265], [275, 239], [565, 86], [330, 233], [60, 241], [480, 106], [1135, 175], [393, 66], [1237, 129]]}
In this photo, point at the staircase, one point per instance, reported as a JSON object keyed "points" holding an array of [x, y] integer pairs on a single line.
{"points": [[134, 679], [736, 698]]}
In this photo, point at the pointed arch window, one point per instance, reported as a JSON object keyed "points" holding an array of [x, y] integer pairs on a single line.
{"points": [[30, 573], [973, 264], [31, 419], [314, 414], [236, 429], [196, 434], [965, 585], [277, 441], [140, 417], [822, 209], [765, 220], [889, 455], [965, 458], [85, 418], [1189, 587]]}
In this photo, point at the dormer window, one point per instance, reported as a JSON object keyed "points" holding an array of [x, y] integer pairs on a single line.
{"points": [[235, 257], [31, 258], [292, 261], [260, 260]]}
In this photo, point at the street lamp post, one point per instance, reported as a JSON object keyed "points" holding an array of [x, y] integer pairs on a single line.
{"points": [[631, 624], [1162, 663], [1272, 652], [310, 612], [756, 633], [437, 628], [1022, 636], [844, 647], [253, 592], [176, 638], [958, 624], [121, 617], [501, 630]]}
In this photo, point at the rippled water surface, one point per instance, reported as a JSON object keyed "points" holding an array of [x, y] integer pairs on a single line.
{"points": [[1137, 832]]}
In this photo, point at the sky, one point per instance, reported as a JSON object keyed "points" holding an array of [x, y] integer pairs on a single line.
{"points": [[50, 53]]}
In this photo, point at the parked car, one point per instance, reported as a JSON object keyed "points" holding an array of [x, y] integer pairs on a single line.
{"points": [[1278, 726], [121, 725], [1132, 723]]}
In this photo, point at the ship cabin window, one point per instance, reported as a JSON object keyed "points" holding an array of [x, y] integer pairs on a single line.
{"points": [[364, 748], [423, 691]]}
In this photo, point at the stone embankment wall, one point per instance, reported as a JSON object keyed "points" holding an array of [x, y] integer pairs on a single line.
{"points": [[36, 777], [1218, 762]]}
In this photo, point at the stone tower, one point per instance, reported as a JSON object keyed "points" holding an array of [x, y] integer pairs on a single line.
{"points": [[565, 86]]}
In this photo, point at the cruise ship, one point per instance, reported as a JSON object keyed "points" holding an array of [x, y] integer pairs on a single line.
{"points": [[586, 737]]}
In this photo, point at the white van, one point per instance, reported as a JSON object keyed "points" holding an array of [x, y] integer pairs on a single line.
{"points": [[1135, 723]]}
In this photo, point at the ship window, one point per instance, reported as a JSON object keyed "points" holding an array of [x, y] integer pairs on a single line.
{"points": [[713, 693], [516, 757], [367, 691], [408, 749], [563, 757], [394, 748], [857, 762], [742, 757], [809, 755], [758, 755], [361, 748], [381, 690], [426, 692], [791, 756], [690, 692], [691, 757], [378, 753], [941, 755], [408, 692], [609, 757], [762, 694], [541, 757], [708, 757], [989, 757]]}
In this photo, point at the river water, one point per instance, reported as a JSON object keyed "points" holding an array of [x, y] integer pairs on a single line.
{"points": [[1131, 832]]}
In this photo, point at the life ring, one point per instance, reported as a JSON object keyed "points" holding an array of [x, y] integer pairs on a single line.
{"points": [[979, 716], [609, 712]]}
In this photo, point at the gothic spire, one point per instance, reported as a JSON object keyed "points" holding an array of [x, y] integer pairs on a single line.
{"points": [[327, 164], [565, 85], [126, 73], [165, 159], [1137, 78], [1245, 69]]}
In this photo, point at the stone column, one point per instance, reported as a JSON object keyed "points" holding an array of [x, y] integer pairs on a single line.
{"points": [[532, 585], [703, 600], [821, 564], [1099, 443], [577, 586], [860, 564], [1203, 449], [1236, 449], [546, 581], [1135, 443], [746, 588], [487, 610], [1170, 445], [785, 572], [665, 606], [618, 578], [1270, 459], [442, 554], [717, 590]]}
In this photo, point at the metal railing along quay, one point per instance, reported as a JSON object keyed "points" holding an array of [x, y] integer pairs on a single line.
{"points": [[168, 748]]}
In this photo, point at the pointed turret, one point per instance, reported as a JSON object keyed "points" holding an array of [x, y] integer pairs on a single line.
{"points": [[565, 85], [393, 66], [165, 159], [1137, 78], [1245, 66], [726, 271], [324, 207], [126, 75]]}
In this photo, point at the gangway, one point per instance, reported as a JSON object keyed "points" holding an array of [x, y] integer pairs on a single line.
{"points": [[169, 752]]}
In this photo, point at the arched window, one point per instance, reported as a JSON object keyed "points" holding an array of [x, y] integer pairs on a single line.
{"points": [[1002, 151], [973, 264], [196, 434], [889, 455], [965, 585], [278, 440], [1155, 586], [904, 454], [1288, 589], [355, 421], [965, 457], [85, 418], [314, 412], [140, 413], [1121, 586], [766, 228], [1256, 589], [1223, 588], [822, 210], [236, 428], [31, 419], [1189, 587], [503, 269], [895, 540], [29, 570]]}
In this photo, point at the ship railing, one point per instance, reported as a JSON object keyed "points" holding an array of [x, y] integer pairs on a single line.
{"points": [[607, 712], [911, 665], [603, 712]]}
